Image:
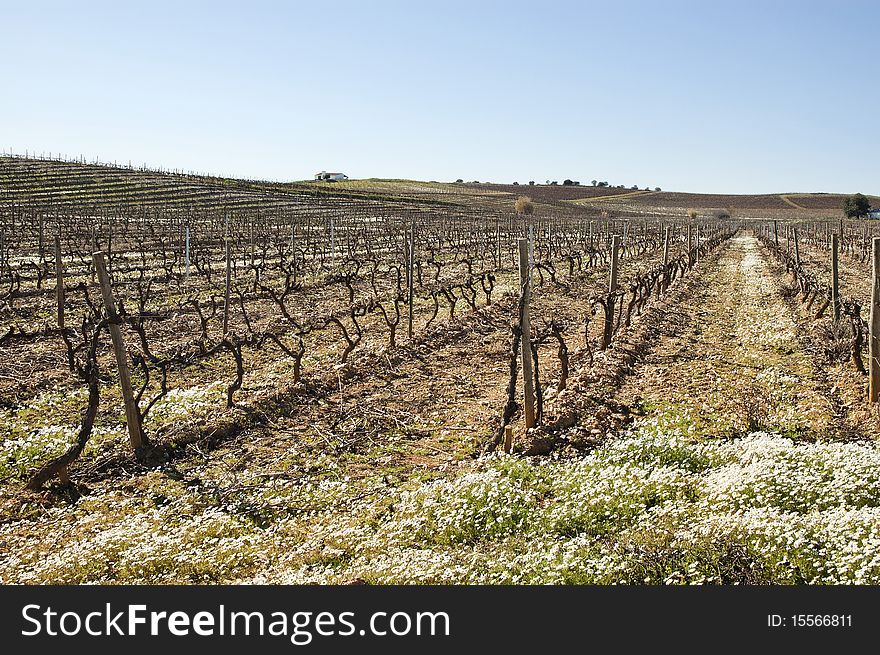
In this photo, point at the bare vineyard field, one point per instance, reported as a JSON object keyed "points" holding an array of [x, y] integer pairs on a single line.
{"points": [[322, 375]]}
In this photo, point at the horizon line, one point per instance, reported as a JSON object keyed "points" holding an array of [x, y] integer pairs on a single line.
{"points": [[144, 167]]}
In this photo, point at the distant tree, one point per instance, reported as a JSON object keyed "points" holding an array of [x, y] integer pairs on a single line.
{"points": [[546, 181], [554, 183], [531, 183], [524, 205], [721, 214], [856, 206], [576, 183], [476, 181], [593, 182], [656, 188], [635, 187], [516, 184], [603, 184], [459, 181], [567, 182]]}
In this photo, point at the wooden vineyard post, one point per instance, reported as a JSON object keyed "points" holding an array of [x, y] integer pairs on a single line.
{"points": [[409, 279], [228, 287], [612, 278], [293, 250], [508, 439], [797, 250], [531, 251], [776, 233], [612, 289], [332, 239], [41, 247], [835, 281], [526, 340], [59, 282], [132, 418], [664, 281], [689, 246], [186, 276], [874, 338]]}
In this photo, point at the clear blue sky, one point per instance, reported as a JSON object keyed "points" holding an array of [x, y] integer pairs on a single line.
{"points": [[691, 96]]}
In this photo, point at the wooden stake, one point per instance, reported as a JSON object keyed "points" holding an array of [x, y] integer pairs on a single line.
{"points": [[776, 233], [615, 250], [252, 240], [526, 340], [41, 249], [132, 417], [293, 249], [59, 282], [508, 439], [332, 239], [874, 338], [661, 285], [228, 288], [797, 250], [409, 279], [612, 288], [835, 282], [689, 246], [497, 243], [186, 277], [531, 251]]}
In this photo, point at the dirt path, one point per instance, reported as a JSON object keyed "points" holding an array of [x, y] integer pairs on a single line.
{"points": [[730, 360], [788, 201]]}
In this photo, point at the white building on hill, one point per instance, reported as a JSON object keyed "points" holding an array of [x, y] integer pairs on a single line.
{"points": [[330, 177]]}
